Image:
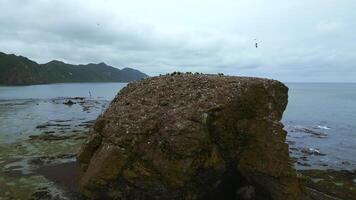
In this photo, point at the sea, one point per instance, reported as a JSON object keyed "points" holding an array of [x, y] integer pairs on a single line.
{"points": [[321, 123], [320, 119]]}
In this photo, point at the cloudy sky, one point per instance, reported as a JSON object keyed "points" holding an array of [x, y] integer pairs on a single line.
{"points": [[299, 40]]}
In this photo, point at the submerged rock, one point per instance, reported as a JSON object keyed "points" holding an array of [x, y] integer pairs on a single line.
{"points": [[187, 136], [69, 103]]}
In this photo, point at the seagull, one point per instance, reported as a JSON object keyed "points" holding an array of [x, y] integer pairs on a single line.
{"points": [[256, 44]]}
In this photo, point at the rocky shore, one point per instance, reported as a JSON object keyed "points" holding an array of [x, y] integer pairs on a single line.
{"points": [[171, 136], [43, 166]]}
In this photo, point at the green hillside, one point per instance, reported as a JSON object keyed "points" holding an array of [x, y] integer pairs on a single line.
{"points": [[19, 70]]}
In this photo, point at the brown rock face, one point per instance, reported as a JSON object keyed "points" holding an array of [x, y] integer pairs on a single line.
{"points": [[191, 137]]}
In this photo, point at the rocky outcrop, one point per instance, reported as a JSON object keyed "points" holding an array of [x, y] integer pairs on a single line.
{"points": [[187, 136]]}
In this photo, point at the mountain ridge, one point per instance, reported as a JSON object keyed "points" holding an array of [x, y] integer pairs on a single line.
{"points": [[20, 70]]}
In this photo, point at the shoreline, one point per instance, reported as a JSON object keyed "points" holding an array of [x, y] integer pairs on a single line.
{"points": [[50, 168], [65, 176], [320, 184]]}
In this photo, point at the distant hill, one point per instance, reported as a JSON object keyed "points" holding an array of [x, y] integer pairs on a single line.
{"points": [[19, 70]]}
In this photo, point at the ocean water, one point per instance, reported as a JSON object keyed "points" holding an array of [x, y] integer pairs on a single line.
{"points": [[320, 117], [94, 90], [321, 122]]}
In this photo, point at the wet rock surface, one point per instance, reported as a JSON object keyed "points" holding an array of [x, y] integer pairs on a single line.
{"points": [[41, 164], [329, 184], [189, 136], [65, 175]]}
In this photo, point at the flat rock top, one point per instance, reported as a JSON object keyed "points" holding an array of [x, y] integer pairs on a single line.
{"points": [[178, 102]]}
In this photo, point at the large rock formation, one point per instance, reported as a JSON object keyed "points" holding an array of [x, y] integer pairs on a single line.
{"points": [[187, 136]]}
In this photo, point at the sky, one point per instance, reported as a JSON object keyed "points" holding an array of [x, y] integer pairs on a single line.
{"points": [[298, 40]]}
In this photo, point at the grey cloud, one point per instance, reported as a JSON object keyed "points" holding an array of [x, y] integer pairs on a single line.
{"points": [[299, 40]]}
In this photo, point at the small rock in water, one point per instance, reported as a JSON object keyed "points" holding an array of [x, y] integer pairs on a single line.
{"points": [[69, 103], [323, 164], [79, 98], [309, 131], [345, 163], [312, 151], [304, 164], [42, 126]]}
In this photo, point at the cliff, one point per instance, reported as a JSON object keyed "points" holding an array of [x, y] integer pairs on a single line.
{"points": [[187, 136], [18, 70]]}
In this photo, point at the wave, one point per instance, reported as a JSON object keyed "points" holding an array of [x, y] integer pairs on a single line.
{"points": [[322, 127]]}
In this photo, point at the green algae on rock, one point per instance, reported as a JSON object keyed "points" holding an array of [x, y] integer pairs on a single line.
{"points": [[20, 163], [329, 184], [186, 136]]}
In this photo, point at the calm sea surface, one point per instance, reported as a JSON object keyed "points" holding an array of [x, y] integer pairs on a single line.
{"points": [[97, 90], [320, 118], [321, 124]]}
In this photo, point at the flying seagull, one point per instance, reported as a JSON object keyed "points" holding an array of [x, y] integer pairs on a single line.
{"points": [[256, 44]]}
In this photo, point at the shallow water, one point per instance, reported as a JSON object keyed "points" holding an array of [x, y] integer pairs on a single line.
{"points": [[39, 129], [95, 90], [22, 109]]}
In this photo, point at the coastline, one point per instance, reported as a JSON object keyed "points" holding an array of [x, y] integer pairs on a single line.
{"points": [[31, 165]]}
